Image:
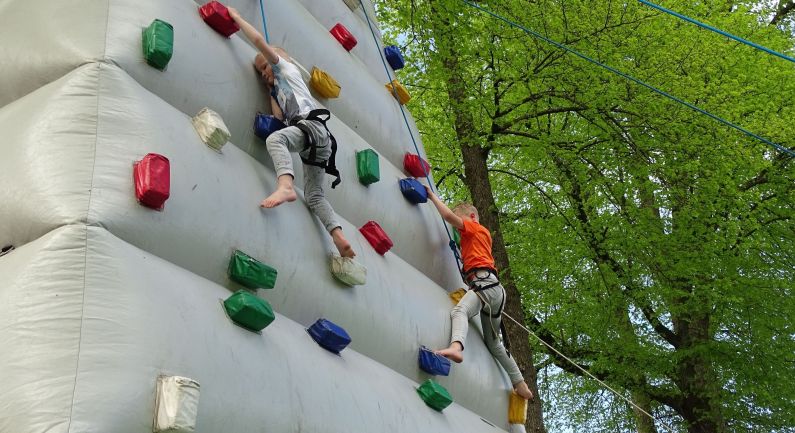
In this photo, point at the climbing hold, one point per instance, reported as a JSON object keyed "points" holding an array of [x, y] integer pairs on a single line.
{"points": [[348, 270], [158, 43], [457, 237], [432, 363], [367, 166], [249, 311], [329, 335], [456, 296], [394, 57], [216, 15], [413, 190], [152, 178], [416, 166], [265, 125], [6, 249], [324, 84], [517, 409], [211, 128], [176, 404], [516, 428], [343, 36], [249, 272], [376, 236], [434, 395], [398, 91]]}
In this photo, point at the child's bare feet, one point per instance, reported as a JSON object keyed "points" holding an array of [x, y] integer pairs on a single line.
{"points": [[342, 244], [284, 193], [523, 391], [454, 353]]}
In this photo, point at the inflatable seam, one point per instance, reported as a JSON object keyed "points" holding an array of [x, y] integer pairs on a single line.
{"points": [[80, 335], [88, 210]]}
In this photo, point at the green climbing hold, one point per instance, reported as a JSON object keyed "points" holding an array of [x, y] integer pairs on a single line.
{"points": [[251, 273], [249, 311], [158, 43], [367, 166], [434, 395], [457, 237]]}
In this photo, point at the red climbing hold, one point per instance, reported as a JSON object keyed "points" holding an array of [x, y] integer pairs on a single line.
{"points": [[343, 36], [377, 237], [152, 179], [216, 15], [416, 166]]}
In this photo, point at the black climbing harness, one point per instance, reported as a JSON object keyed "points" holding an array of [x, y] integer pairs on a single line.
{"points": [[330, 165]]}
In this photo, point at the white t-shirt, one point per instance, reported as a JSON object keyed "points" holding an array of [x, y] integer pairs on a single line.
{"points": [[292, 95]]}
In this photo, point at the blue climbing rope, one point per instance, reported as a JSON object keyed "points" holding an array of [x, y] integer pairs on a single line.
{"points": [[264, 24], [451, 243], [719, 31], [779, 147]]}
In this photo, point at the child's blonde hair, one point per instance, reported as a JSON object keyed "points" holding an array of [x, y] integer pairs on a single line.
{"points": [[279, 50], [466, 208]]}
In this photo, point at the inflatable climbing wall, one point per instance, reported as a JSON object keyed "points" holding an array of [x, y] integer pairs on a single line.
{"points": [[112, 313]]}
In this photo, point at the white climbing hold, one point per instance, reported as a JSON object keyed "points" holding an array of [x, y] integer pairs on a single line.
{"points": [[176, 404], [211, 128], [348, 271]]}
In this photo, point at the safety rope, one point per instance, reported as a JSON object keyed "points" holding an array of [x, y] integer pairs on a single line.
{"points": [[535, 34], [719, 31], [264, 24], [587, 373], [451, 243]]}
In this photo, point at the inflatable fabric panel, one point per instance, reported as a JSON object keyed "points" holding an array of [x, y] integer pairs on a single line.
{"points": [[92, 124], [101, 296], [84, 345]]}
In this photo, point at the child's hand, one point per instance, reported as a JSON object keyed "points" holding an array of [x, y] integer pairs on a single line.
{"points": [[233, 13]]}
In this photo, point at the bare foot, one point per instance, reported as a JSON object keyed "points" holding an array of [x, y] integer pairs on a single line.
{"points": [[454, 353], [343, 246], [282, 194], [523, 391]]}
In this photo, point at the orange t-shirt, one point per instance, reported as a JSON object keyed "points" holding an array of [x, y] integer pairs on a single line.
{"points": [[476, 246]]}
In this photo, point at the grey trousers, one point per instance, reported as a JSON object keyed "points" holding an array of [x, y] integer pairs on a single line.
{"points": [[470, 305], [292, 139]]}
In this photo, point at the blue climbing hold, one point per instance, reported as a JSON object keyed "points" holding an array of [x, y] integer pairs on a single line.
{"points": [[265, 125], [394, 57], [432, 363], [413, 190], [329, 335]]}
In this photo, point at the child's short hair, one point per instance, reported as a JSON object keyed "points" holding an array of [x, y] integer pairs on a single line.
{"points": [[466, 208], [280, 51]]}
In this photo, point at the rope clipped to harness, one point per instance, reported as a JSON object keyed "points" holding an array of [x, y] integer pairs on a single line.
{"points": [[475, 284], [330, 165]]}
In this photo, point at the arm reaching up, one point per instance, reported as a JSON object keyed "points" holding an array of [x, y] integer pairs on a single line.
{"points": [[255, 37], [445, 211]]}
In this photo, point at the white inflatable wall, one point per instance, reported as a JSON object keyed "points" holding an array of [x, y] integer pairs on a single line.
{"points": [[103, 295]]}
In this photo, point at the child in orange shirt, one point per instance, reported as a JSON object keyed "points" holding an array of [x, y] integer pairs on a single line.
{"points": [[485, 295]]}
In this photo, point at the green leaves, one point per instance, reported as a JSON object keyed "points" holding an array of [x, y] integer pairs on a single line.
{"points": [[624, 213]]}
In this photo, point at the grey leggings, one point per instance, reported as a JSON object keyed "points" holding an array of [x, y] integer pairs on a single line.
{"points": [[468, 307], [292, 139]]}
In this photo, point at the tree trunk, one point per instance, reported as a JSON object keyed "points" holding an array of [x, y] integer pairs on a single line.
{"points": [[476, 178], [642, 421], [696, 378]]}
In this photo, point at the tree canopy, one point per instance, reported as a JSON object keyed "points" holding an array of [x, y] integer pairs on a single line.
{"points": [[650, 243]]}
